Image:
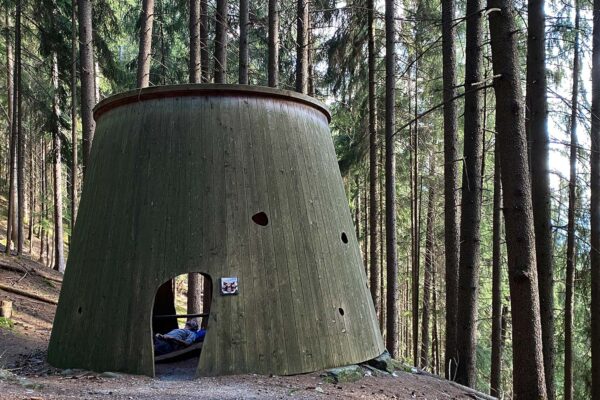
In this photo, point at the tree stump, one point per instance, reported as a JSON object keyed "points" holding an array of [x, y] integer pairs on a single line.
{"points": [[6, 308]]}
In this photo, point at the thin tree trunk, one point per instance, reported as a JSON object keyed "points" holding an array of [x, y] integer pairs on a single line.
{"points": [[528, 363], [243, 72], [9, 88], [571, 245], [365, 218], [595, 206], [145, 48], [31, 193], [428, 270], [221, 42], [373, 176], [302, 47], [194, 27], [273, 68], [204, 52], [87, 76], [496, 361], [42, 197], [539, 139], [20, 133], [468, 281], [435, 346], [194, 295], [451, 231], [382, 271], [390, 180], [12, 99], [416, 261], [194, 299], [59, 258], [74, 179]]}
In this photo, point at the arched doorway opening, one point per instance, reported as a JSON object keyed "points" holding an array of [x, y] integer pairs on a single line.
{"points": [[179, 324]]}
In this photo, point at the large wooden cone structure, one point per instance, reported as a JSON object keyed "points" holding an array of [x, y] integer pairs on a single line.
{"points": [[175, 176]]}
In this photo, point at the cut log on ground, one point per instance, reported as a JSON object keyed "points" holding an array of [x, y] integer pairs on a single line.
{"points": [[27, 294]]}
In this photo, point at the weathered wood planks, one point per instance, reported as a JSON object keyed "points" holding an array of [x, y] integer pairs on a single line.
{"points": [[176, 175]]}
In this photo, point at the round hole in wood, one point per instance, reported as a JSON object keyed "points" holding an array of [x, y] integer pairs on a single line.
{"points": [[344, 237], [341, 310], [260, 219], [79, 310]]}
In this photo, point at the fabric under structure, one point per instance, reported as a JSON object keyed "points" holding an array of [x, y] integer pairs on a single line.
{"points": [[232, 181]]}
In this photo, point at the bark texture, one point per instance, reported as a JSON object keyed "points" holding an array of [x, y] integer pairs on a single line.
{"points": [[390, 181], [528, 364], [497, 344], [20, 133], [59, 256], [220, 69], [145, 48], [302, 46], [273, 68], [86, 73], [428, 270], [375, 279], [540, 180], [243, 68], [451, 231], [194, 27], [470, 221], [204, 53], [74, 164]]}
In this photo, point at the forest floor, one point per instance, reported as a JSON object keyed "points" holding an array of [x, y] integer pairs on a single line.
{"points": [[25, 374]]}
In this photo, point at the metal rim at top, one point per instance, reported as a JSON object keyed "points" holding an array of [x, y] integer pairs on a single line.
{"points": [[157, 92]]}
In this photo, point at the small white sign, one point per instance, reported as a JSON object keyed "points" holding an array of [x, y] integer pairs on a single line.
{"points": [[229, 286]]}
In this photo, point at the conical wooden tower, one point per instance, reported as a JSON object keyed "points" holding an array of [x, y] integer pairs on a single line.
{"points": [[229, 181]]}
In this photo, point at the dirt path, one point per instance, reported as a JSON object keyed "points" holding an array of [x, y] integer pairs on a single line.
{"points": [[24, 373]]}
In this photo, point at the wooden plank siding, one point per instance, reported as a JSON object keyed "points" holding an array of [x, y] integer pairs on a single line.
{"points": [[175, 176]]}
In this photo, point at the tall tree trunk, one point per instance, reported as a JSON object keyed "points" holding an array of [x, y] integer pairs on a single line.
{"points": [[194, 295], [31, 194], [145, 48], [273, 68], [451, 231], [221, 42], [571, 245], [87, 76], [470, 221], [382, 270], [390, 180], [11, 100], [20, 133], [42, 198], [357, 208], [538, 136], [365, 218], [59, 258], [528, 363], [416, 234], [496, 362], [595, 205], [194, 27], [9, 86], [428, 270], [373, 207], [73, 113], [243, 72], [204, 52], [302, 47], [435, 347]]}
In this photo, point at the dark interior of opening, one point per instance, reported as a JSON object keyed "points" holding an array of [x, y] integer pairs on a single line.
{"points": [[179, 324]]}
